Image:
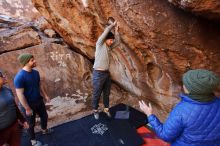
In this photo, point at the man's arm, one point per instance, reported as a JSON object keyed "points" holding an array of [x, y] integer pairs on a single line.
{"points": [[117, 38], [171, 129], [23, 101], [19, 115], [168, 131], [103, 36], [43, 92]]}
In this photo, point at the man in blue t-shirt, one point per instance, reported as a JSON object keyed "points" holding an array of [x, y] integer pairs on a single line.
{"points": [[29, 89]]}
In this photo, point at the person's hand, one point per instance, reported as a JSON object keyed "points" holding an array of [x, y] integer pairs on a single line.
{"points": [[26, 125], [147, 109], [29, 112], [47, 98], [117, 27], [115, 23]]}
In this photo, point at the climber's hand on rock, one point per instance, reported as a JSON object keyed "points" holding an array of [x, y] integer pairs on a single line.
{"points": [[115, 23], [117, 27]]}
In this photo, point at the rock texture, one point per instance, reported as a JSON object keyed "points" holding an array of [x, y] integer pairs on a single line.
{"points": [[66, 75], [207, 8], [158, 42], [22, 9]]}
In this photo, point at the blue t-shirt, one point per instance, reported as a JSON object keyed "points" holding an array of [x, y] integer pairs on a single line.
{"points": [[7, 108], [30, 81]]}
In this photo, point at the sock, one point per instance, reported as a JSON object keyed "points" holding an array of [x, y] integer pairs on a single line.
{"points": [[33, 142]]}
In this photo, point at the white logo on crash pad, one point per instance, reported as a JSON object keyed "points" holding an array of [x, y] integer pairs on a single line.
{"points": [[99, 129]]}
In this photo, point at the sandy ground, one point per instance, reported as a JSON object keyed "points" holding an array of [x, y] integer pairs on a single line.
{"points": [[64, 109]]}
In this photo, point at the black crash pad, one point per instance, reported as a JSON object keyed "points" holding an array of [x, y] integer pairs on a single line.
{"points": [[90, 132], [136, 118]]}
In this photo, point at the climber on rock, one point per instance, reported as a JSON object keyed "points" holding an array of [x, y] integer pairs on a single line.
{"points": [[101, 80]]}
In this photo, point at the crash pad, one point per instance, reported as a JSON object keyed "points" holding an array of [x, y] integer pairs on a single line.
{"points": [[88, 131]]}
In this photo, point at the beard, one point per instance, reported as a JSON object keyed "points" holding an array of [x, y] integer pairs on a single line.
{"points": [[33, 65]]}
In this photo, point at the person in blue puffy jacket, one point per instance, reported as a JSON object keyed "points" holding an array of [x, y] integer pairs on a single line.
{"points": [[195, 120]]}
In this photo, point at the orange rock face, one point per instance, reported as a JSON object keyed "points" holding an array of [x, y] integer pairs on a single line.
{"points": [[22, 9], [66, 75], [207, 8], [158, 42]]}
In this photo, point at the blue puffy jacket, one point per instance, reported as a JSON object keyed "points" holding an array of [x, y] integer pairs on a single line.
{"points": [[191, 123]]}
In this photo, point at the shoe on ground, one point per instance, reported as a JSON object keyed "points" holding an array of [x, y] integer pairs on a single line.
{"points": [[36, 143], [96, 114], [106, 111]]}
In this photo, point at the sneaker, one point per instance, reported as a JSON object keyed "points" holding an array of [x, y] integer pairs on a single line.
{"points": [[36, 143], [96, 114], [47, 131], [106, 111]]}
